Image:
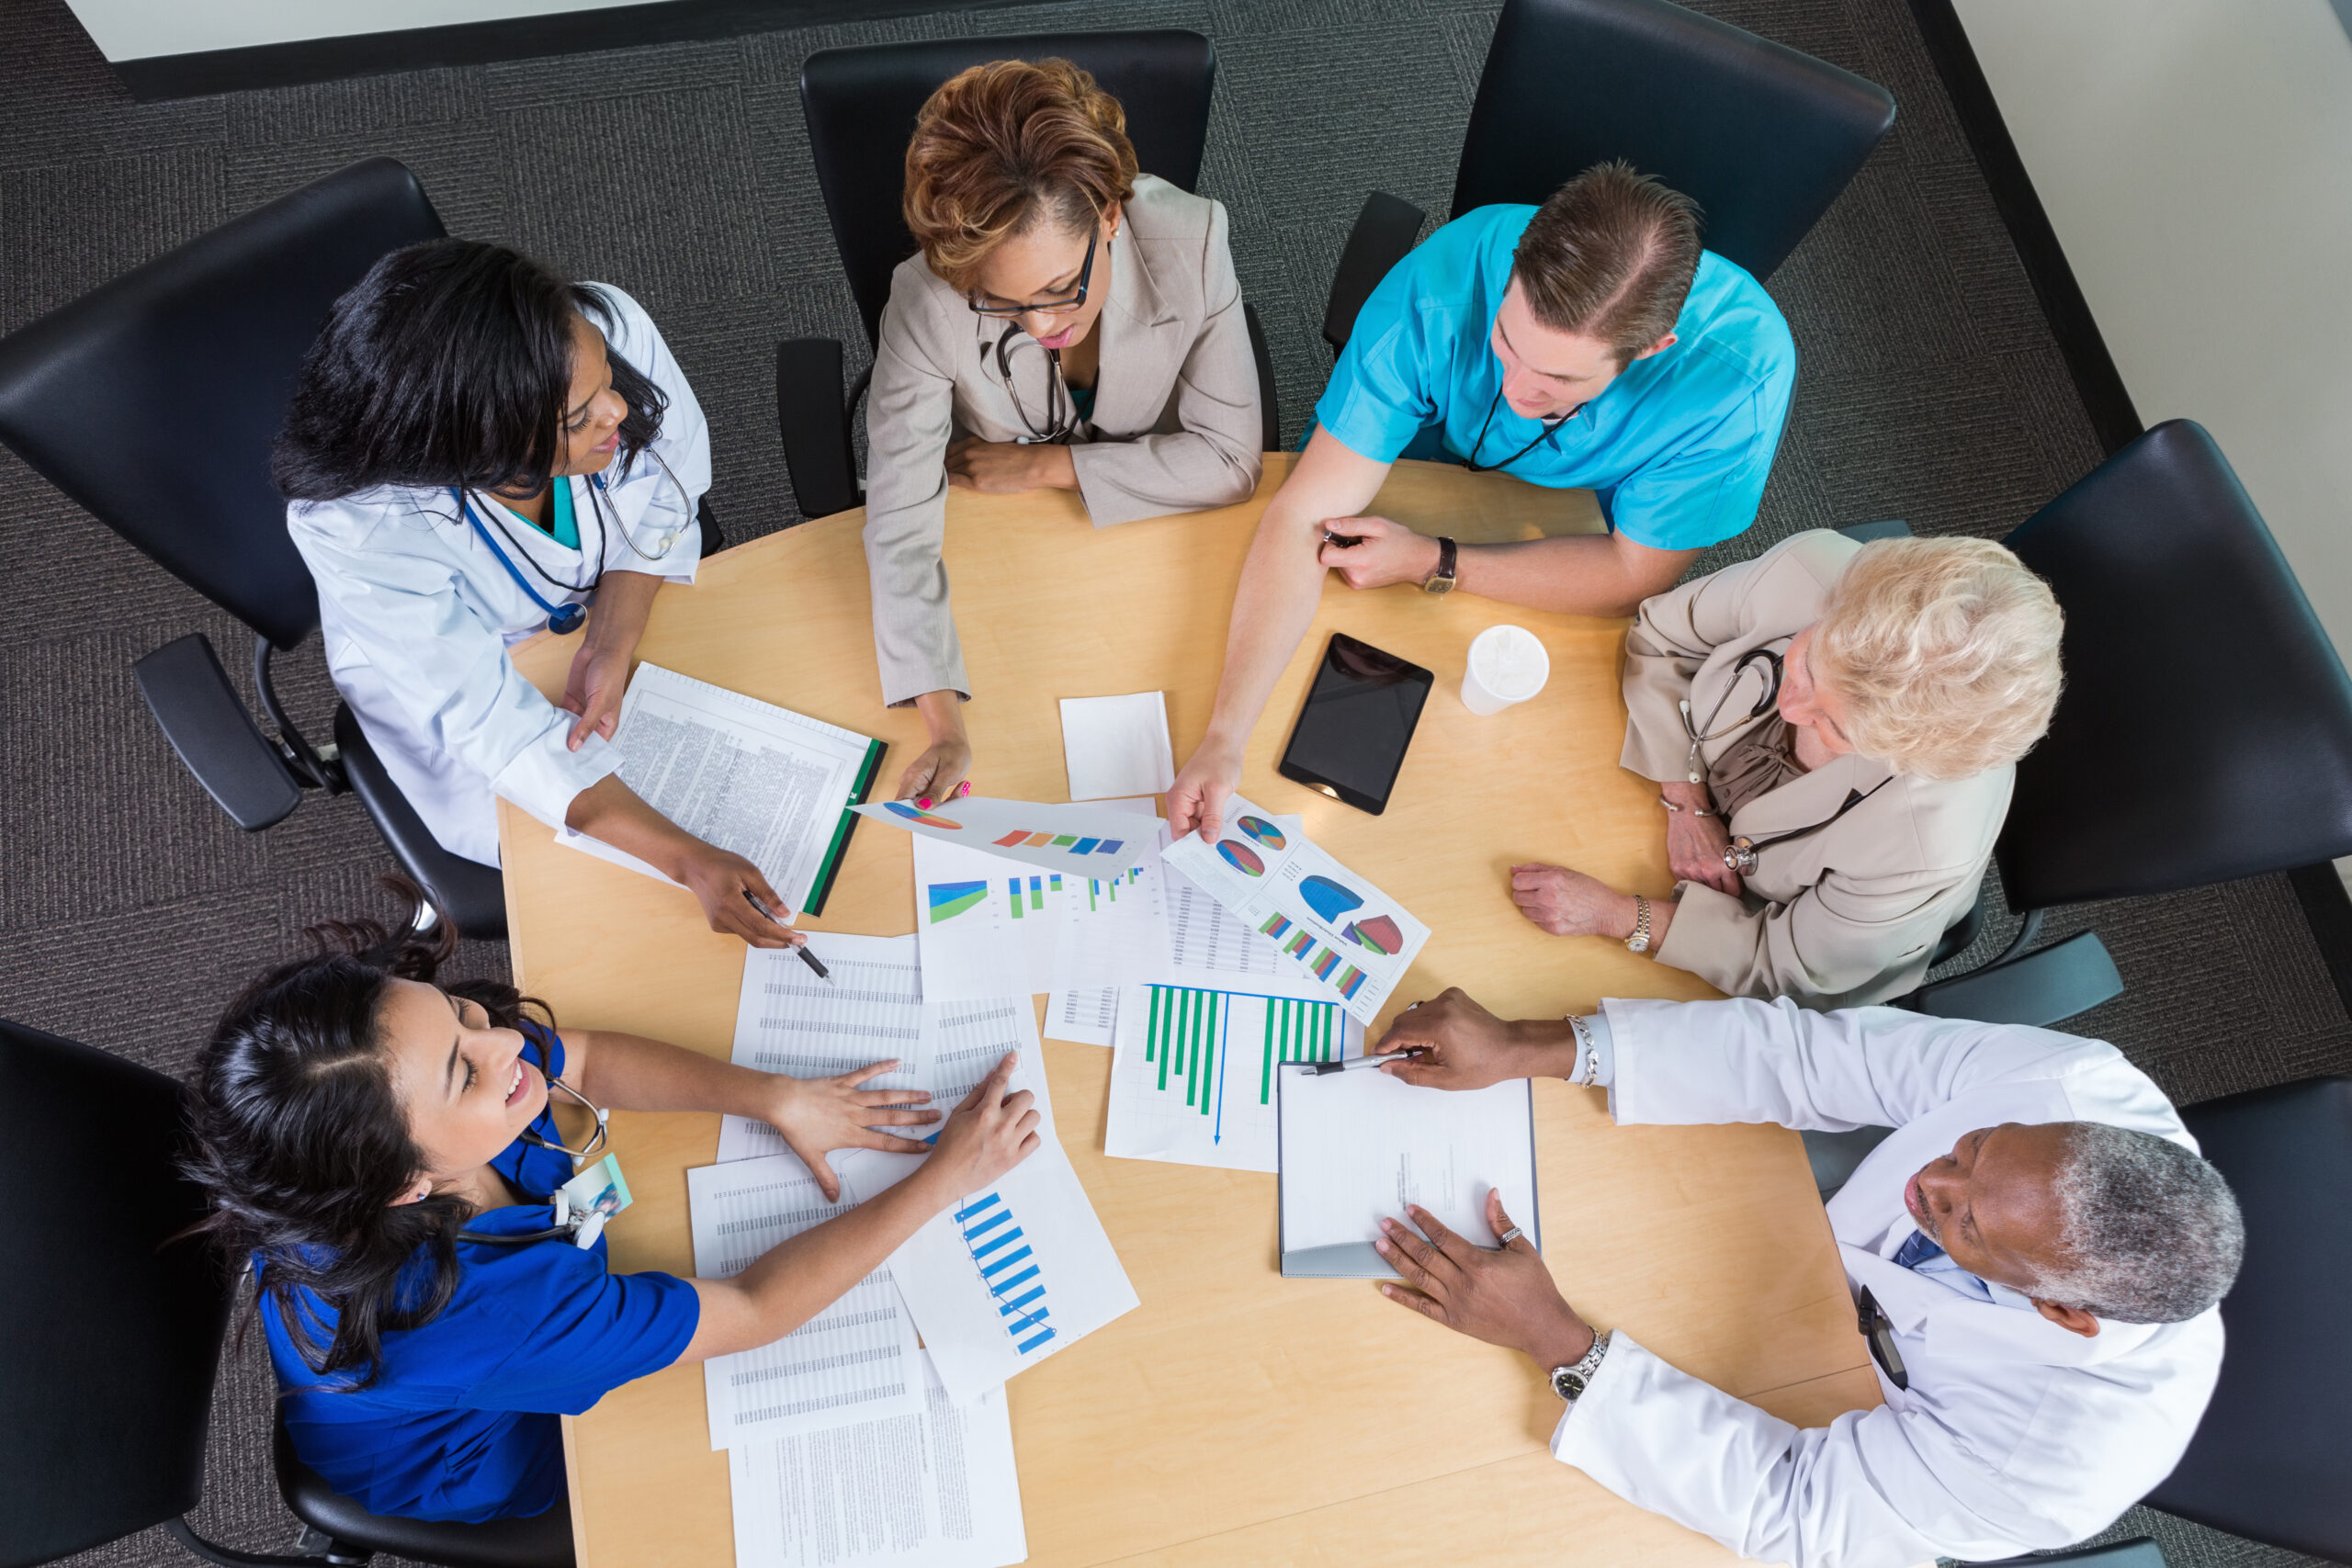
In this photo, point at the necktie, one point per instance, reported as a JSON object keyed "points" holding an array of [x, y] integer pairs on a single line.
{"points": [[1919, 1249]]}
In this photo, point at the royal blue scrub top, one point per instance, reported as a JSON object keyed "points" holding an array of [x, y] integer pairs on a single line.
{"points": [[462, 1423], [1677, 446]]}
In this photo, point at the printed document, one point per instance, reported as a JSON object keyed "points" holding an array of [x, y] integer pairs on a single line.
{"points": [[936, 1490], [771, 785], [1358, 1147], [1324, 919], [852, 1362]]}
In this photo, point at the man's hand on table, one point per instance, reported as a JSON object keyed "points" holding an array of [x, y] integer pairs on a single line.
{"points": [[1505, 1297], [1461, 1046], [1381, 553]]}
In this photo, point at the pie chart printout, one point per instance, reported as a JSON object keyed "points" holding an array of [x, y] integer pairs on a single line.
{"points": [[1328, 898], [1378, 934], [1265, 832], [925, 817], [1241, 857]]}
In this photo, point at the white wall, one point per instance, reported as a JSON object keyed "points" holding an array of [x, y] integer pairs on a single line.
{"points": [[136, 30], [2195, 157]]}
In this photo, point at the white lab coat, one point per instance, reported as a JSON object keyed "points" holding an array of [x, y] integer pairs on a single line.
{"points": [[2016, 1435], [417, 613]]}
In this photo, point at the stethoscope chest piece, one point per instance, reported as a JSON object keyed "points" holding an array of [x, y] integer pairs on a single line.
{"points": [[565, 619]]}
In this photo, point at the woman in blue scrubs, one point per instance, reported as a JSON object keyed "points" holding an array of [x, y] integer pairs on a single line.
{"points": [[352, 1118]]}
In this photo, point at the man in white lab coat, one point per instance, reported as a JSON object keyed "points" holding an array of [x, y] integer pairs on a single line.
{"points": [[2037, 1246]]}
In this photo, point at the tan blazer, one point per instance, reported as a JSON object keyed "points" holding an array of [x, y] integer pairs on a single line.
{"points": [[1842, 918], [1175, 426]]}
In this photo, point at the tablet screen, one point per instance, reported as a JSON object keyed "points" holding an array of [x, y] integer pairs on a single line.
{"points": [[1359, 717]]}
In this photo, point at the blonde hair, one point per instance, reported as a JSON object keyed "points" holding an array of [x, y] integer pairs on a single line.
{"points": [[1001, 146], [1946, 653]]}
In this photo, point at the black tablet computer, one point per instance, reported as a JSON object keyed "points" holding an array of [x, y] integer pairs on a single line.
{"points": [[1350, 737]]}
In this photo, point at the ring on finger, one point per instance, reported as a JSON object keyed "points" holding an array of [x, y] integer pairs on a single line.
{"points": [[1509, 1236]]}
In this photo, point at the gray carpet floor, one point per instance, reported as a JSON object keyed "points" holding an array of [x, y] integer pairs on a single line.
{"points": [[130, 908]]}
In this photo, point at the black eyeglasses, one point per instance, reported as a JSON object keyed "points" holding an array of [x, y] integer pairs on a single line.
{"points": [[1044, 306]]}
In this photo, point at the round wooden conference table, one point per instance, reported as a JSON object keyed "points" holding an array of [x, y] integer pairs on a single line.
{"points": [[1236, 1417]]}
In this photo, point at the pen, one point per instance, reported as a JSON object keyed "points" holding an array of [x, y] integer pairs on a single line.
{"points": [[806, 956], [1352, 1063], [1342, 541]]}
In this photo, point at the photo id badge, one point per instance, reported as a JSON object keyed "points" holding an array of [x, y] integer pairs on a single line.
{"points": [[594, 1196]]}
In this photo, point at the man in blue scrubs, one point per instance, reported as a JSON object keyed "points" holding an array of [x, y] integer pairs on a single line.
{"points": [[1587, 343]]}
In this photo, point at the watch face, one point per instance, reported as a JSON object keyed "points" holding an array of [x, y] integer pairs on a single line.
{"points": [[1567, 1384], [1438, 585]]}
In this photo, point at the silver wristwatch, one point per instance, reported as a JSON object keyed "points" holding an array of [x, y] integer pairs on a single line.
{"points": [[1569, 1382], [1640, 941]]}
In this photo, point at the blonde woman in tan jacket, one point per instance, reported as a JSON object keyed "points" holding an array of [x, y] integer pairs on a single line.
{"points": [[1834, 729], [1069, 324]]}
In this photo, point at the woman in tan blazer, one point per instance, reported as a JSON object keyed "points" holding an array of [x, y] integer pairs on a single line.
{"points": [[1069, 324], [1834, 728]]}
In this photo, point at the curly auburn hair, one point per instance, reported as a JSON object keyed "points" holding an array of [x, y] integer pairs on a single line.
{"points": [[1002, 146]]}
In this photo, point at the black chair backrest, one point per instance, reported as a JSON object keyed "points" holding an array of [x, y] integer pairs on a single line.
{"points": [[108, 1337], [2206, 728], [861, 106], [1763, 137], [2270, 1462], [153, 400]]}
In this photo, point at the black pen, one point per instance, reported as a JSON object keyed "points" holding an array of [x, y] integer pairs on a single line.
{"points": [[1342, 541], [1352, 1063], [806, 956]]}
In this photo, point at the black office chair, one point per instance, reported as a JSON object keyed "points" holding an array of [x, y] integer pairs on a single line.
{"points": [[2205, 733], [2138, 1553], [114, 1338], [2269, 1461], [1762, 137], [151, 401], [861, 106]]}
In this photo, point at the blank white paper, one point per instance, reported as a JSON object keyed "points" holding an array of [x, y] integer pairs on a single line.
{"points": [[854, 1361], [937, 1490], [1115, 746]]}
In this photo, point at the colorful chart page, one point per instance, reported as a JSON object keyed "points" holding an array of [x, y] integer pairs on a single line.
{"points": [[1340, 930], [1192, 1072], [1091, 841]]}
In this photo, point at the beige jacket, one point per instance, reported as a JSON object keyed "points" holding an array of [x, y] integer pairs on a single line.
{"points": [[1175, 426], [1842, 918]]}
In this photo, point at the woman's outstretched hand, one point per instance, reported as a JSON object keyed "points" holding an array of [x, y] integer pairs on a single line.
{"points": [[816, 1115]]}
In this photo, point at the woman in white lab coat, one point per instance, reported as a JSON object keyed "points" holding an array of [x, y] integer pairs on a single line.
{"points": [[479, 449]]}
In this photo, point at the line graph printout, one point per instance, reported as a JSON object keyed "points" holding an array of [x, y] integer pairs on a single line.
{"points": [[1334, 926], [789, 1020], [857, 1360], [984, 1298], [952, 1498], [1193, 1065]]}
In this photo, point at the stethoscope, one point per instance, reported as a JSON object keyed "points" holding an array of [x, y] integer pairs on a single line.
{"points": [[1551, 428], [568, 1224], [1057, 430], [1741, 854], [566, 618]]}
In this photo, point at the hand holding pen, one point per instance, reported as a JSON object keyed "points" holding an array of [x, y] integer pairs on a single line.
{"points": [[800, 947]]}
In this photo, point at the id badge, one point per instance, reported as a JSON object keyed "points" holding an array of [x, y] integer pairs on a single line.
{"points": [[595, 1195]]}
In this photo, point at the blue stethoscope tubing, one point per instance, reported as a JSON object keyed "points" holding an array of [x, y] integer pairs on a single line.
{"points": [[565, 618]]}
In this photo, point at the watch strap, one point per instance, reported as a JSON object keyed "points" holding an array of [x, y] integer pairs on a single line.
{"points": [[1569, 1382], [1448, 556]]}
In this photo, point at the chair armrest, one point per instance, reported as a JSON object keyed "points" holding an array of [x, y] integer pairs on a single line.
{"points": [[1382, 236], [1270, 414], [813, 419], [1863, 533], [2044, 987], [209, 726], [473, 896]]}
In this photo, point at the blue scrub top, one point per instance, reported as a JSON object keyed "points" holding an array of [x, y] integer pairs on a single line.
{"points": [[1677, 446], [462, 1423]]}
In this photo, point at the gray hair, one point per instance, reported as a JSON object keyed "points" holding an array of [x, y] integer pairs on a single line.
{"points": [[2150, 1233]]}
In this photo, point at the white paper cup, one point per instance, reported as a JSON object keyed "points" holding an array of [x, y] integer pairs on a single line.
{"points": [[1507, 665]]}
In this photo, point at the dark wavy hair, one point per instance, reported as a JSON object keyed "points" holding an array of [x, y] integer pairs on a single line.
{"points": [[301, 1143], [449, 364]]}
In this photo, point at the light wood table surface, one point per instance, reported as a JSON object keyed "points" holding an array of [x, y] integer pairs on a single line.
{"points": [[1235, 1417]]}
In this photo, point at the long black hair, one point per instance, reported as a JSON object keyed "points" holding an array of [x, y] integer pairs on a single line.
{"points": [[301, 1143], [449, 364]]}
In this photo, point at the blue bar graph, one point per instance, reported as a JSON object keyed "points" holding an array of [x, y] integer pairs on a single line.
{"points": [[1008, 1268]]}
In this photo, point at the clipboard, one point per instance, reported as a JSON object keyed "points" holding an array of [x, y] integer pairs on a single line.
{"points": [[1353, 1146]]}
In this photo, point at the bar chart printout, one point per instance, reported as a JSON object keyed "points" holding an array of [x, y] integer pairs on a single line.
{"points": [[993, 1296], [854, 1361], [1193, 1066]]}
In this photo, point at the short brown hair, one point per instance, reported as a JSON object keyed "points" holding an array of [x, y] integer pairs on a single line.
{"points": [[1611, 255], [1003, 145]]}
